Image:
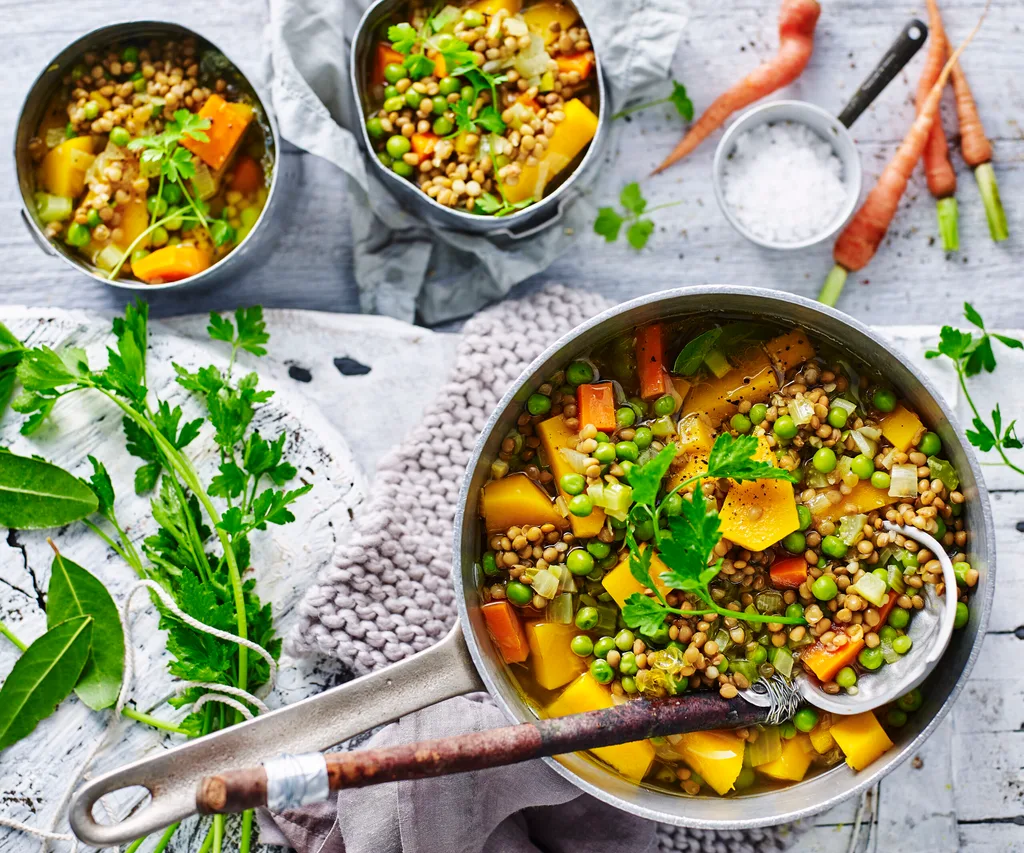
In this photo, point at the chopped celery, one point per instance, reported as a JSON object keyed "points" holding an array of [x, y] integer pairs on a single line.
{"points": [[607, 619], [851, 529], [53, 208], [575, 459], [109, 258], [895, 579], [845, 405], [871, 588], [783, 662], [942, 470], [889, 654], [767, 747], [663, 427], [613, 497], [445, 20], [54, 136], [904, 481], [560, 609], [717, 363], [818, 504], [769, 601], [801, 410], [865, 445], [844, 467], [814, 478], [870, 433], [545, 584], [746, 668]]}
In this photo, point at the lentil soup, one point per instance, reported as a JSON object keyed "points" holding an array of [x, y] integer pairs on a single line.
{"points": [[587, 582], [486, 106], [152, 160]]}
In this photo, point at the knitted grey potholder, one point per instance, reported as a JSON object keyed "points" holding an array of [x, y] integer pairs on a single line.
{"points": [[388, 593]]}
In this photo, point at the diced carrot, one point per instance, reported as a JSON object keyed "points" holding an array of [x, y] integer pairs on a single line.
{"points": [[171, 263], [528, 102], [596, 405], [440, 66], [579, 62], [825, 663], [506, 629], [423, 144], [788, 573], [885, 609], [384, 56], [247, 176], [228, 122], [650, 362]]}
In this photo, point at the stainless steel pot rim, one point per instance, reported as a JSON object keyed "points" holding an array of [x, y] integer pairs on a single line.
{"points": [[870, 778], [111, 31]]}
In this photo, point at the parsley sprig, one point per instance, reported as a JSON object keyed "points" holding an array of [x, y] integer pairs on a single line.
{"points": [[491, 205], [971, 353], [609, 221], [688, 544], [678, 98]]}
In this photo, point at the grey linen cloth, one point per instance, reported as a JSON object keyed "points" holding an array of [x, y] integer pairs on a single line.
{"points": [[405, 267], [389, 594]]}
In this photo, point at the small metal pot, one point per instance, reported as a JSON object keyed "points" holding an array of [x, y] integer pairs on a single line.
{"points": [[467, 660], [518, 225], [47, 83]]}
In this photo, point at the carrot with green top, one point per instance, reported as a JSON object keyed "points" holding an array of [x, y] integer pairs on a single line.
{"points": [[861, 238], [938, 168]]}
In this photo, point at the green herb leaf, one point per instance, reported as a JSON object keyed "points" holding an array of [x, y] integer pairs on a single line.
{"points": [[75, 592], [645, 479], [252, 330], [639, 233], [973, 316], [608, 224], [42, 678], [102, 486], [734, 458], [981, 436], [681, 101], [418, 65], [146, 477], [644, 614], [693, 536], [632, 199], [230, 482], [1012, 343], [692, 356], [36, 495], [403, 37]]}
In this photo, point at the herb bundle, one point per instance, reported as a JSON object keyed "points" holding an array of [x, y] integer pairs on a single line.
{"points": [[609, 221]]}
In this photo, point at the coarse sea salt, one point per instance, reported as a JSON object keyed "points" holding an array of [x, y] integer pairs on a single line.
{"points": [[783, 182]]}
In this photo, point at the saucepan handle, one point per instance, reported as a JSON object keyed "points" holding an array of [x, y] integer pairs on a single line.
{"points": [[438, 673]]}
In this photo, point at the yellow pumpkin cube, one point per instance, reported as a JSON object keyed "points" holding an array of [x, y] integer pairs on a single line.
{"points": [[632, 760], [861, 738], [540, 16], [790, 349], [554, 435], [553, 662], [64, 167], [717, 756], [759, 513], [901, 427], [491, 7], [514, 501], [792, 765], [753, 380], [620, 584], [863, 498], [134, 220]]}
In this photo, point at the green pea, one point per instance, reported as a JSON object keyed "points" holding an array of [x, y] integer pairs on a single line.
{"points": [[785, 427], [628, 684], [587, 618], [579, 373], [467, 93], [92, 109], [412, 98], [624, 640], [643, 438], [120, 137], [745, 779], [871, 658], [598, 549], [881, 480], [78, 72], [758, 656], [805, 719], [724, 665], [159, 236], [580, 561], [825, 460], [882, 574], [940, 528], [472, 18], [960, 569], [138, 255], [156, 205], [603, 646], [896, 718], [602, 671], [490, 564], [582, 646], [538, 404], [833, 546], [78, 235], [443, 126], [581, 506], [248, 216], [787, 731], [887, 632], [665, 405], [398, 146], [402, 169], [741, 423], [625, 417], [518, 593], [899, 618], [846, 677], [795, 542], [795, 610], [572, 484], [837, 417], [448, 85], [672, 505], [139, 84], [758, 412], [884, 400], [130, 54], [902, 644], [803, 514], [616, 524], [440, 103], [627, 450], [391, 92], [175, 219], [384, 159], [602, 438], [626, 467], [963, 613], [394, 105], [863, 466], [930, 444], [394, 71], [644, 530], [824, 588], [627, 664], [445, 41], [911, 701], [604, 453]]}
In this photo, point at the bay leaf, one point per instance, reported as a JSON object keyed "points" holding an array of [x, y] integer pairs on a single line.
{"points": [[35, 494], [43, 677], [73, 591]]}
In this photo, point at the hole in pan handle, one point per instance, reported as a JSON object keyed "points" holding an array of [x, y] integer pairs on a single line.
{"points": [[312, 725], [899, 54]]}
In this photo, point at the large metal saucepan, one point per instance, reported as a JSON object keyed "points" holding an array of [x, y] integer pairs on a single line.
{"points": [[466, 659]]}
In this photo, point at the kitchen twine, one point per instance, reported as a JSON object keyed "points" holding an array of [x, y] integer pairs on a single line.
{"points": [[222, 693], [388, 593]]}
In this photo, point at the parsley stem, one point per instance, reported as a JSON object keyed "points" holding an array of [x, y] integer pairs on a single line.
{"points": [[998, 446], [245, 842], [159, 194], [135, 243], [11, 636], [218, 833], [165, 839], [663, 206], [208, 841], [155, 722], [643, 105], [136, 844], [135, 563]]}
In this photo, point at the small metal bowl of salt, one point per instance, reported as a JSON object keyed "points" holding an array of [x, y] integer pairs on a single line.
{"points": [[787, 175]]}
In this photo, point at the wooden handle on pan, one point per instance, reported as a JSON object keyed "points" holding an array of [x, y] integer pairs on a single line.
{"points": [[237, 790]]}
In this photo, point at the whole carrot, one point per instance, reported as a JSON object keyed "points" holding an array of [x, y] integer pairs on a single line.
{"points": [[977, 151], [861, 238], [938, 169], [797, 19]]}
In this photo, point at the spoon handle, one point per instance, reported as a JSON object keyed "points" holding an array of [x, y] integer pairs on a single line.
{"points": [[237, 790]]}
